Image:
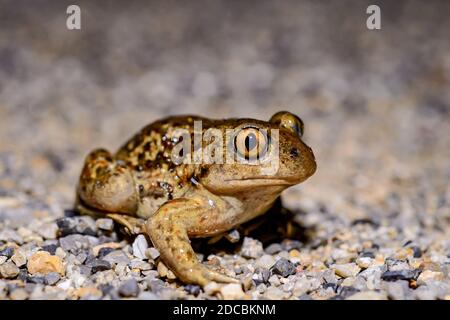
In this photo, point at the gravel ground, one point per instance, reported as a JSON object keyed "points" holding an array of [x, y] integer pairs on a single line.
{"points": [[373, 222]]}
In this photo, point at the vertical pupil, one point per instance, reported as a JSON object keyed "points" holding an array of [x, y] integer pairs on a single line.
{"points": [[250, 141]]}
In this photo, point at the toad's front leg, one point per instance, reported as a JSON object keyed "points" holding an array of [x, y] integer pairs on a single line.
{"points": [[169, 229]]}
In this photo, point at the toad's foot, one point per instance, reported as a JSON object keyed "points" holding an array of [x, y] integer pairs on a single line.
{"points": [[168, 229]]}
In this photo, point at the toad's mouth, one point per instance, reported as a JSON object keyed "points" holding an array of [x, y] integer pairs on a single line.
{"points": [[262, 181]]}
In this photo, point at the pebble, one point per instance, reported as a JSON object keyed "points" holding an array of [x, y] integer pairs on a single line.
{"points": [[266, 261], [152, 253], [117, 256], [75, 242], [48, 230], [43, 262], [346, 270], [193, 289], [274, 293], [233, 236], [97, 265], [364, 262], [397, 290], [261, 275], [251, 248], [3, 259], [140, 245], [7, 252], [283, 267], [274, 248], [51, 278], [18, 294], [83, 225], [232, 291], [9, 270], [19, 258], [105, 224], [368, 295], [129, 288], [87, 292], [428, 275], [400, 275], [51, 248]]}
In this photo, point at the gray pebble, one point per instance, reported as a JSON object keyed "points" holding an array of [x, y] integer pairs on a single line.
{"points": [[274, 248], [98, 265], [400, 275], [117, 256], [7, 252], [129, 288], [51, 278], [283, 267], [105, 224], [251, 248]]}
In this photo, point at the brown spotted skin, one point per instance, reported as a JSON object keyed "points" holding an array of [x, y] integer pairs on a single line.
{"points": [[189, 200]]}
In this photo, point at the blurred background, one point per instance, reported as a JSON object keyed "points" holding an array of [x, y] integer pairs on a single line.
{"points": [[376, 104]]}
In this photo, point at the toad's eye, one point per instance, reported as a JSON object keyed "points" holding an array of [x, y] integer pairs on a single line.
{"points": [[289, 121], [251, 143]]}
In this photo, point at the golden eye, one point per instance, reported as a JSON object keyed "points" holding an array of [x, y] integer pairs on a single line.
{"points": [[289, 121], [251, 143]]}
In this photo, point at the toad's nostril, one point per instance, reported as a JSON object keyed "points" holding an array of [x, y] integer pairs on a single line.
{"points": [[294, 152]]}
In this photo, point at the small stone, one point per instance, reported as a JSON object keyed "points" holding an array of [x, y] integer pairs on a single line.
{"points": [[129, 288], [48, 230], [274, 293], [274, 248], [141, 265], [105, 224], [368, 295], [193, 289], [9, 270], [429, 275], [86, 292], [152, 253], [43, 262], [83, 225], [273, 280], [76, 242], [65, 285], [346, 270], [261, 275], [347, 291], [283, 267], [97, 265], [51, 278], [266, 261], [233, 236], [18, 294], [7, 252], [139, 246], [60, 253], [3, 259], [251, 248], [400, 275], [117, 256], [397, 290], [232, 291], [364, 262], [162, 270], [19, 258]]}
